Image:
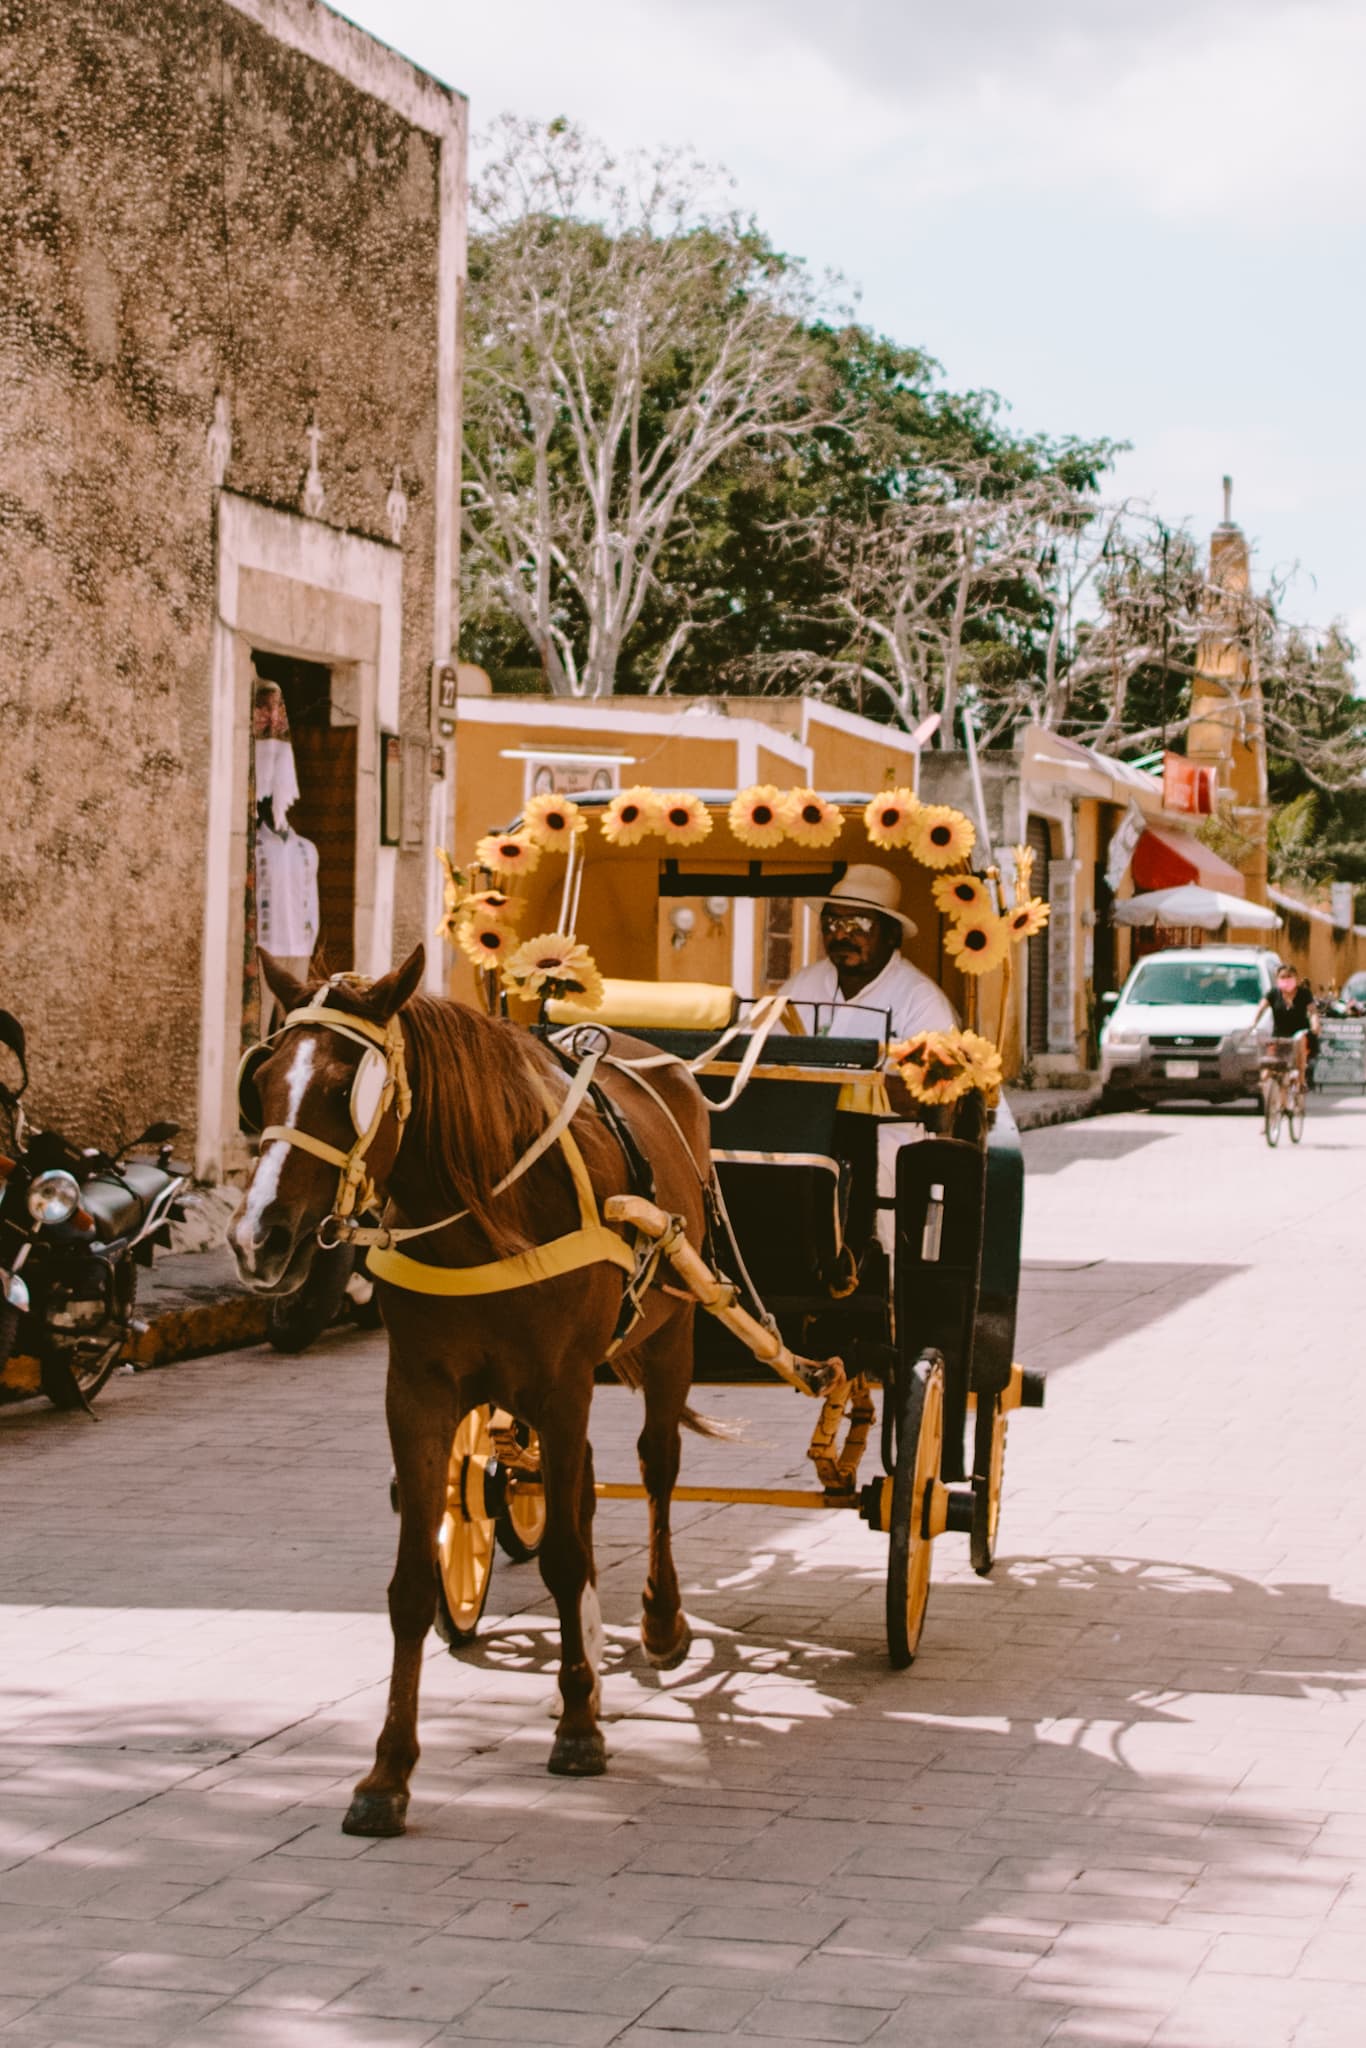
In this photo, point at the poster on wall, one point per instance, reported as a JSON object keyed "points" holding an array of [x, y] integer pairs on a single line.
{"points": [[571, 774]]}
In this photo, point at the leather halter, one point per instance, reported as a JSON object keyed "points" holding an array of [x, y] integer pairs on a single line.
{"points": [[355, 1189], [591, 1244]]}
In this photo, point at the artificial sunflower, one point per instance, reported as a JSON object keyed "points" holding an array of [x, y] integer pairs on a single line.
{"points": [[683, 818], [630, 816], [484, 937], [554, 965], [552, 821], [961, 895], [758, 816], [978, 942], [1030, 915], [984, 1061], [890, 817], [940, 836], [811, 820], [933, 1066], [507, 853]]}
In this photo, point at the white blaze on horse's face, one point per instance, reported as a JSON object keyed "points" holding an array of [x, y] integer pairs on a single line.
{"points": [[246, 1233]]}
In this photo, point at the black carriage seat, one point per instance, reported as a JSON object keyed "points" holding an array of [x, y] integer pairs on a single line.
{"points": [[119, 1202], [797, 1169]]}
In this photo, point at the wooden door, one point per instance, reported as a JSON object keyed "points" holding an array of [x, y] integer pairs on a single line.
{"points": [[325, 756]]}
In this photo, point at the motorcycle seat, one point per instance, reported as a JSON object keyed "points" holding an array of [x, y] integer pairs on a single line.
{"points": [[119, 1206]]}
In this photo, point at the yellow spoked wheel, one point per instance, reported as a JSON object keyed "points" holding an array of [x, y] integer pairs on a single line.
{"points": [[988, 1478], [919, 1448], [465, 1543], [521, 1525]]}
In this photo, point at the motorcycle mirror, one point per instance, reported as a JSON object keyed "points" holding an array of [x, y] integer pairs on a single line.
{"points": [[157, 1134], [12, 1035]]}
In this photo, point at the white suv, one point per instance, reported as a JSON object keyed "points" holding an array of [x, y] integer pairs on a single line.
{"points": [[1182, 1026]]}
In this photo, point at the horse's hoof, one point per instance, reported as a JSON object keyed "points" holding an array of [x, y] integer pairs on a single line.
{"points": [[670, 1659], [578, 1756], [376, 1813]]}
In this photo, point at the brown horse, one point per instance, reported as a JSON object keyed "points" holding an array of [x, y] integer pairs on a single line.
{"points": [[479, 1097]]}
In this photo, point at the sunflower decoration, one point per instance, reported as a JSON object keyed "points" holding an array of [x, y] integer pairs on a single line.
{"points": [[484, 937], [554, 965], [758, 816], [683, 818], [933, 1066], [811, 820], [961, 895], [552, 822], [463, 905], [891, 816], [940, 836], [507, 853], [630, 816], [1030, 915], [984, 1061], [978, 942]]}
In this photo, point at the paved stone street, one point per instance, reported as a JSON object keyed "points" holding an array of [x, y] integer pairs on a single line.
{"points": [[1120, 1798]]}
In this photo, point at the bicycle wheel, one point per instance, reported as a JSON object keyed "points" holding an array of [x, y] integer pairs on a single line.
{"points": [[1295, 1109], [1274, 1109]]}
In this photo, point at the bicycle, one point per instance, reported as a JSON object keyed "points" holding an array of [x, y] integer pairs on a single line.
{"points": [[1284, 1092]]}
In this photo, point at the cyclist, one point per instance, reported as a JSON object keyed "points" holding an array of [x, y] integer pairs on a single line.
{"points": [[1293, 1015]]}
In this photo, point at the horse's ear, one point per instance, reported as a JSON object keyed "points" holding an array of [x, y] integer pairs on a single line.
{"points": [[288, 993], [385, 997]]}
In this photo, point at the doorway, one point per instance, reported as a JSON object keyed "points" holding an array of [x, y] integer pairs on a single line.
{"points": [[320, 822], [1039, 840]]}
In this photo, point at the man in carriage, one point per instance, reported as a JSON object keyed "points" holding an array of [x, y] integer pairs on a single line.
{"points": [[865, 987]]}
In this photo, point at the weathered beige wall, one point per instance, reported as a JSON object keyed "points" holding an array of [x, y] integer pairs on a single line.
{"points": [[195, 207]]}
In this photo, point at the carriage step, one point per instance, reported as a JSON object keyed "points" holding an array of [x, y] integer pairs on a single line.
{"points": [[1032, 1388]]}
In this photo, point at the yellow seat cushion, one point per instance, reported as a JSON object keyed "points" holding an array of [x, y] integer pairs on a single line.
{"points": [[655, 1006]]}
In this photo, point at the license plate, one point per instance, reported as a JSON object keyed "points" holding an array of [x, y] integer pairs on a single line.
{"points": [[1183, 1070]]}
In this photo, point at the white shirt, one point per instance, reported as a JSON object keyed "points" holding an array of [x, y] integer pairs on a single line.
{"points": [[286, 893], [915, 1002]]}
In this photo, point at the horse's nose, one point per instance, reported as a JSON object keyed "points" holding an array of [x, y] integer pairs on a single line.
{"points": [[262, 1244]]}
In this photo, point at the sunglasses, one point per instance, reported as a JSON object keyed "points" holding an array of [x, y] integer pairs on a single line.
{"points": [[836, 921]]}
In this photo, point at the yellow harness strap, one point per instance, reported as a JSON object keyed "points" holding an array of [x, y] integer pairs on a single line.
{"points": [[592, 1244]]}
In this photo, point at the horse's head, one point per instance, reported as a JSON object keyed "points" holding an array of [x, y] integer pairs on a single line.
{"points": [[326, 1084]]}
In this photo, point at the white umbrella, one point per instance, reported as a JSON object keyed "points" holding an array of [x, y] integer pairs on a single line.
{"points": [[1190, 905]]}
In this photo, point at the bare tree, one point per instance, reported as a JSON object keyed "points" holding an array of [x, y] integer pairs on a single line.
{"points": [[624, 335], [917, 584]]}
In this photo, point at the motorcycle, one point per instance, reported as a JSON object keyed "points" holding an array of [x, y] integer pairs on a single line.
{"points": [[74, 1227]]}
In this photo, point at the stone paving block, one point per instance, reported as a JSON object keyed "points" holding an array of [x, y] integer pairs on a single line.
{"points": [[788, 2020], [531, 2029], [701, 2009], [245, 1903], [243, 2026], [158, 2015], [299, 1987]]}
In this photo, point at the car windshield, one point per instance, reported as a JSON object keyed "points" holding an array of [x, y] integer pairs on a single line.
{"points": [[1195, 981]]}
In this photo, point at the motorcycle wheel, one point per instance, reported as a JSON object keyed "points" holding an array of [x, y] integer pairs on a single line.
{"points": [[71, 1379], [297, 1320]]}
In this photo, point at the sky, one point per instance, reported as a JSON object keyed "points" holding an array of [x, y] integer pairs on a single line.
{"points": [[1142, 219]]}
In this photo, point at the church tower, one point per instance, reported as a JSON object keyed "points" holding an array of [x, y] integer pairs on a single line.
{"points": [[1228, 729]]}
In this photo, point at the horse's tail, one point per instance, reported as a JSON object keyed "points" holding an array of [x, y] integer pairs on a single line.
{"points": [[712, 1425]]}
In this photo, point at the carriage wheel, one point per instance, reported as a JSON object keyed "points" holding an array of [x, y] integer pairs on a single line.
{"points": [[988, 1474], [465, 1542], [919, 1448], [521, 1525]]}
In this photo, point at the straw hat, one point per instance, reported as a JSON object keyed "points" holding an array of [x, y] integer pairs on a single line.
{"points": [[866, 887]]}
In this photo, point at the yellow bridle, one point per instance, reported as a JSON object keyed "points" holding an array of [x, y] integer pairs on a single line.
{"points": [[356, 1190], [591, 1244]]}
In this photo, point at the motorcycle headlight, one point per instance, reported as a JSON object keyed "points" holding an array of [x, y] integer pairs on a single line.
{"points": [[53, 1197]]}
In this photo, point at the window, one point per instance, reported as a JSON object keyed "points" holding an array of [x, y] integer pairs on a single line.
{"points": [[779, 932]]}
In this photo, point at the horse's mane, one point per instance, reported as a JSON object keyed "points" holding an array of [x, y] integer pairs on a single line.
{"points": [[476, 1108]]}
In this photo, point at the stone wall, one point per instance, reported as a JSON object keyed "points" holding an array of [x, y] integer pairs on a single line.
{"points": [[197, 206]]}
